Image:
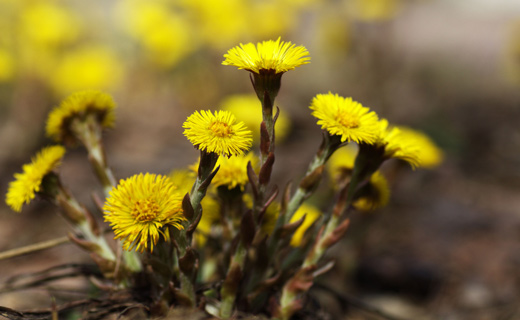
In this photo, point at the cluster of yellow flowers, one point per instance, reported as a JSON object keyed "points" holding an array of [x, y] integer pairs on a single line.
{"points": [[145, 208]]}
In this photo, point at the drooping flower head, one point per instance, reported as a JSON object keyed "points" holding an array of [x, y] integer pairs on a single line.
{"points": [[428, 154], [218, 133], [267, 56], [375, 194], [23, 189], [398, 145], [80, 105], [141, 207], [345, 118]]}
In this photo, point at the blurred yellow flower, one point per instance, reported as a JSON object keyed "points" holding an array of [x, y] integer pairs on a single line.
{"points": [[6, 66], [373, 10], [164, 34], [79, 105], [233, 171], [23, 189], [141, 207], [183, 179], [89, 67], [397, 145], [226, 18], [428, 154], [48, 24], [346, 118], [375, 194], [311, 214], [210, 221], [248, 108], [219, 133], [275, 56], [341, 163]]}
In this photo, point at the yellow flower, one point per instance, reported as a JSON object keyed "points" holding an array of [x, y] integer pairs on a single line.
{"points": [[165, 34], [398, 145], [23, 189], [247, 108], [279, 56], [140, 207], [341, 163], [48, 25], [428, 154], [79, 105], [373, 195], [183, 179], [346, 118], [92, 67], [232, 172], [219, 133], [209, 222], [311, 214], [6, 66], [374, 10]]}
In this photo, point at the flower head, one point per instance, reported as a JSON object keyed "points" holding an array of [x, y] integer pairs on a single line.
{"points": [[346, 118], [375, 194], [219, 133], [140, 207], [428, 154], [278, 56], [398, 145], [23, 189], [80, 105], [232, 172]]}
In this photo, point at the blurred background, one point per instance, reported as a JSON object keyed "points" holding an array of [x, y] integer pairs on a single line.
{"points": [[448, 244]]}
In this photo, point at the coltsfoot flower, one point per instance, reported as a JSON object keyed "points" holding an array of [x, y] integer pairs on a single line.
{"points": [[278, 56], [398, 145], [428, 154], [141, 207], [345, 118], [375, 194], [80, 105], [232, 172], [23, 189], [219, 133]]}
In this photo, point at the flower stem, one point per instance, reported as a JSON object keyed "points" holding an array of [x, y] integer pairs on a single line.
{"points": [[89, 133]]}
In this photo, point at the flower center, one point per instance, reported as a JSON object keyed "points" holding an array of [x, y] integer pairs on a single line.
{"points": [[220, 129], [145, 210], [347, 120]]}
